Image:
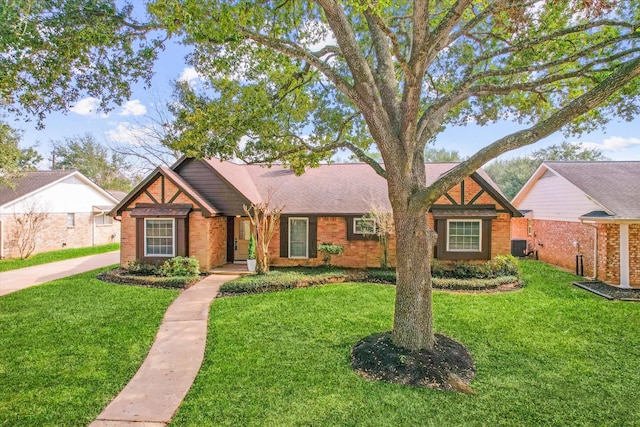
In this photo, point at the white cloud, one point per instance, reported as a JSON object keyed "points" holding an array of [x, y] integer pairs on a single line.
{"points": [[133, 108], [128, 133], [87, 107], [190, 75], [612, 144]]}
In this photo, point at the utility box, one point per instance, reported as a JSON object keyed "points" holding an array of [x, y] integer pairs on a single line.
{"points": [[519, 247]]}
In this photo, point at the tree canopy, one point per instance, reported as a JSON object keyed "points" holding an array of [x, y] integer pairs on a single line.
{"points": [[13, 159], [295, 81], [512, 174], [84, 153]]}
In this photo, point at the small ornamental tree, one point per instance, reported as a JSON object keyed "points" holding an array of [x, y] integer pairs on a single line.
{"points": [[264, 219], [384, 229], [27, 225]]}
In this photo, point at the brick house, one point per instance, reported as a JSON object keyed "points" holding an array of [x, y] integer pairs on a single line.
{"points": [[195, 208], [584, 210], [76, 211]]}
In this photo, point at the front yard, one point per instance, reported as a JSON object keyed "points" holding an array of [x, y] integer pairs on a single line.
{"points": [[69, 346], [550, 354]]}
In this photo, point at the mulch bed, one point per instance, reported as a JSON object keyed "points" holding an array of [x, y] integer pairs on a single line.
{"points": [[449, 366], [609, 291], [121, 276]]}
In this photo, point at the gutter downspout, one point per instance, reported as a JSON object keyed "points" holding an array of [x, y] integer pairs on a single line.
{"points": [[1, 238]]}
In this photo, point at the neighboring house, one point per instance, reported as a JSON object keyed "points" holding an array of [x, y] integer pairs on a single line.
{"points": [[195, 208], [75, 212], [588, 210]]}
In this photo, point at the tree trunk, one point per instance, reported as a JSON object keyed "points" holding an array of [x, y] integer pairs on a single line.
{"points": [[413, 320]]}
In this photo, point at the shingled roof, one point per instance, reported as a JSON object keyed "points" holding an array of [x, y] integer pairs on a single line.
{"points": [[347, 188], [612, 184], [31, 181]]}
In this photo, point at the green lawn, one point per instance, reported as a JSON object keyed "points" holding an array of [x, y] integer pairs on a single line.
{"points": [[61, 255], [550, 354], [69, 346]]}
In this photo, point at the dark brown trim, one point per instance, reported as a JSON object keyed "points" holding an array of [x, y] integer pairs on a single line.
{"points": [[230, 239], [151, 197], [458, 207], [312, 236], [477, 196], [462, 192], [284, 236], [175, 196], [441, 245], [139, 238], [493, 192], [162, 188], [180, 236], [453, 202], [141, 188], [350, 233]]}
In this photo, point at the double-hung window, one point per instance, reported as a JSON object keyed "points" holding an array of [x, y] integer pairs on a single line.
{"points": [[364, 226], [298, 237], [159, 237], [103, 219], [464, 235]]}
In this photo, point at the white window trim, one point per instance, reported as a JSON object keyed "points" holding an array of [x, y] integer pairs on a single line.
{"points": [[103, 224], [479, 221], [173, 247], [71, 216], [306, 220], [375, 226]]}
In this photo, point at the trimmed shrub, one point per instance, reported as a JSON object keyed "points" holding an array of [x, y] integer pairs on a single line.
{"points": [[280, 279], [501, 265], [142, 269], [380, 276], [472, 284], [123, 277], [505, 265], [329, 249], [179, 267]]}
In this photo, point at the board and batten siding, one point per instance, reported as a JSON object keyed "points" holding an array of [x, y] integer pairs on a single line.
{"points": [[213, 188], [555, 198]]}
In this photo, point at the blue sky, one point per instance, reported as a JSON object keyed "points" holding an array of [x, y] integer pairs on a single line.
{"points": [[618, 141]]}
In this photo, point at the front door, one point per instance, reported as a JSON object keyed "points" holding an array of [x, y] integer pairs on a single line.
{"points": [[242, 234]]}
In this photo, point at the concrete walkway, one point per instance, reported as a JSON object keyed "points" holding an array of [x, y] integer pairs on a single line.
{"points": [[156, 391], [15, 280]]}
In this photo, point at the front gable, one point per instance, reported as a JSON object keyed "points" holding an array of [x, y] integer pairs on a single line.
{"points": [[475, 193], [162, 188], [549, 196], [213, 186]]}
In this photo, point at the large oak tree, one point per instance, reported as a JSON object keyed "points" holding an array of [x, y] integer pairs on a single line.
{"points": [[294, 81]]}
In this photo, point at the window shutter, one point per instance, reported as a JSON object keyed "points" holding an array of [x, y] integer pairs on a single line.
{"points": [[486, 239], [284, 237], [313, 237], [349, 220], [139, 238], [182, 237]]}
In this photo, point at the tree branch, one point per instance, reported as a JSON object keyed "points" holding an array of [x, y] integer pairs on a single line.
{"points": [[624, 74]]}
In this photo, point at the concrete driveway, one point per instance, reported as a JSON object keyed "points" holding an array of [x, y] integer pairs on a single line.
{"points": [[15, 280]]}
